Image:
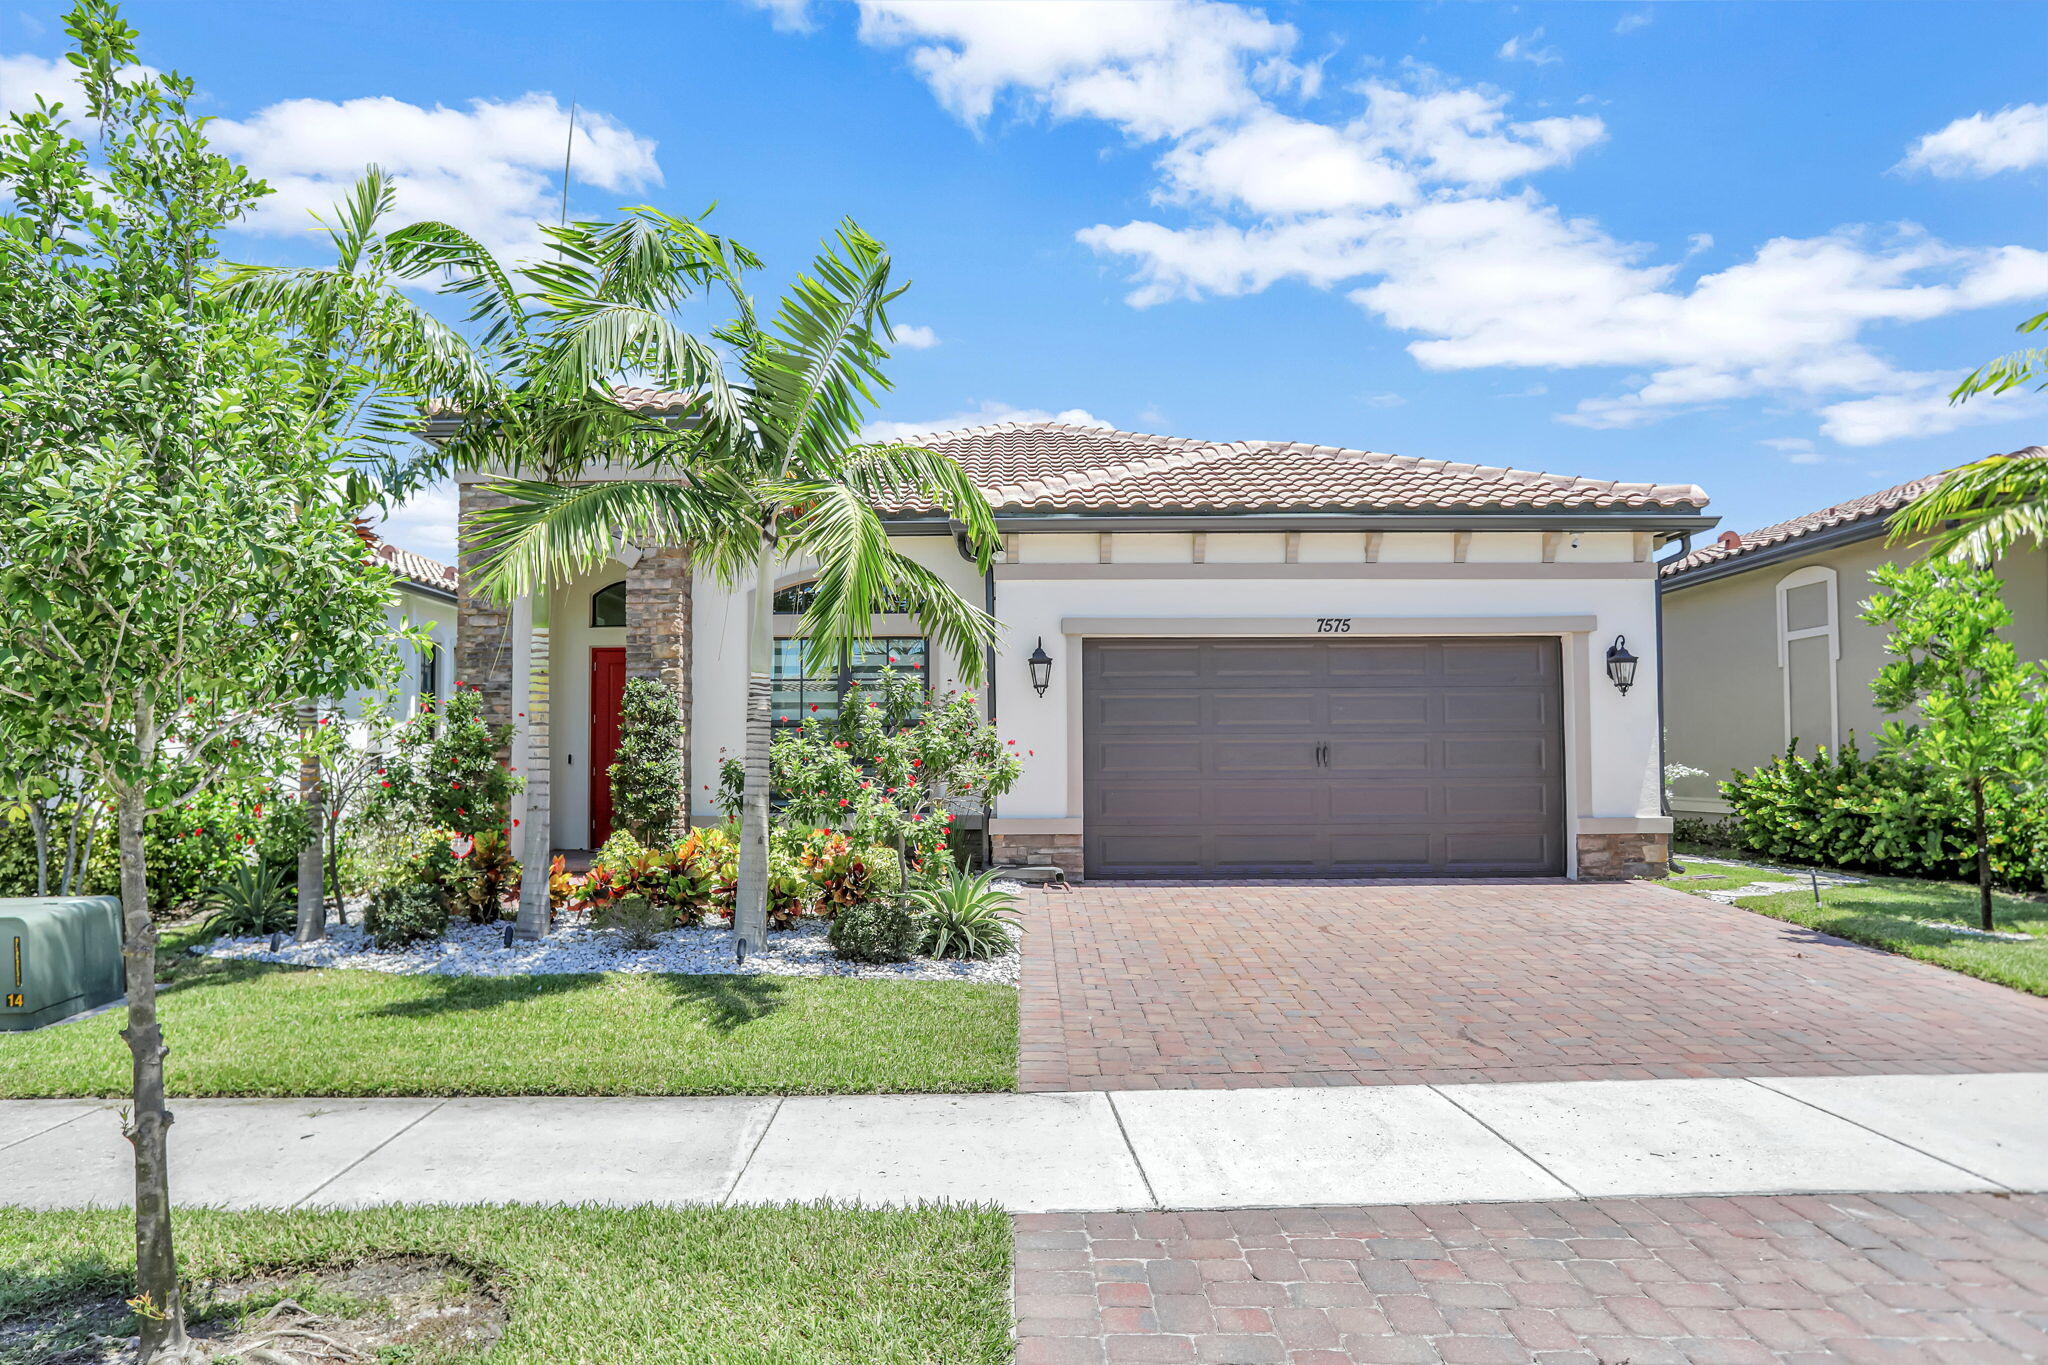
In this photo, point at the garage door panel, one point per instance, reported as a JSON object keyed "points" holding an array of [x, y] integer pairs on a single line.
{"points": [[1264, 709], [1402, 707], [1322, 758]]}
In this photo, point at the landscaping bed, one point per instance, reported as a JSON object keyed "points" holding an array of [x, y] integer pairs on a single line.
{"points": [[1930, 920], [246, 1028], [791, 1285]]}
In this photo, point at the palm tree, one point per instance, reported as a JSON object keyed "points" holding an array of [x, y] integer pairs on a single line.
{"points": [[771, 467], [1981, 510], [528, 392]]}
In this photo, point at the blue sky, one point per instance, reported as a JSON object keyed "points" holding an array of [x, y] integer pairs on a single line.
{"points": [[1748, 246]]}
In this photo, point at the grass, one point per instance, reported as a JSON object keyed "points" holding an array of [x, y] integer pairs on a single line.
{"points": [[238, 1029], [791, 1285], [1898, 914]]}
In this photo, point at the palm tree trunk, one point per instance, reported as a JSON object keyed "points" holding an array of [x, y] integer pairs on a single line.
{"points": [[536, 911], [750, 908], [156, 1263], [312, 923], [1983, 833]]}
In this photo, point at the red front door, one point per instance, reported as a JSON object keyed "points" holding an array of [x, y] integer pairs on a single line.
{"points": [[607, 699]]}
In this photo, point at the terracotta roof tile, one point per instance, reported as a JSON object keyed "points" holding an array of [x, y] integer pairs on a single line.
{"points": [[1050, 466], [1871, 506], [414, 567]]}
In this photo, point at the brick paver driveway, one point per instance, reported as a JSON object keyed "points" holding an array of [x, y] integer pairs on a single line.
{"points": [[1139, 986], [1808, 1278]]}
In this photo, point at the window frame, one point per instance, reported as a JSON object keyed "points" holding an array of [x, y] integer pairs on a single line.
{"points": [[620, 624], [428, 675], [1831, 632]]}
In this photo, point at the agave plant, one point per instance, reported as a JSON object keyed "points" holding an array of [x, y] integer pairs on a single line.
{"points": [[967, 916], [255, 901]]}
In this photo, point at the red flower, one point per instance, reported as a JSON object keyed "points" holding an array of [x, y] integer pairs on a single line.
{"points": [[1011, 742], [515, 824], [844, 802], [917, 763], [814, 706], [383, 784]]}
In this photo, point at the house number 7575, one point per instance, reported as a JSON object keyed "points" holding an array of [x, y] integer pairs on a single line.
{"points": [[1333, 625]]}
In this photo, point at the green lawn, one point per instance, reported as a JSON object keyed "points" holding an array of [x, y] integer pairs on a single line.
{"points": [[253, 1029], [789, 1285], [1898, 913]]}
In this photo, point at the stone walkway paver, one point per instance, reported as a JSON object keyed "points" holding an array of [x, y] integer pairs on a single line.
{"points": [[1942, 1279], [1132, 986]]}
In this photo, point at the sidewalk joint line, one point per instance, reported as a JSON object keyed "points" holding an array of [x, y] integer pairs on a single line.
{"points": [[1758, 1082], [1144, 1176], [425, 1114], [1513, 1146], [747, 1161], [99, 1108]]}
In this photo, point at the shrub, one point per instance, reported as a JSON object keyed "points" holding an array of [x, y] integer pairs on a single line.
{"points": [[254, 902], [18, 855], [1705, 833], [879, 931], [401, 915], [636, 918], [647, 779], [444, 772], [473, 882], [1881, 814], [967, 916]]}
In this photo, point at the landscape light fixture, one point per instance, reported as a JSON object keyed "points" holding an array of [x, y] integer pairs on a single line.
{"points": [[1621, 665], [1041, 668]]}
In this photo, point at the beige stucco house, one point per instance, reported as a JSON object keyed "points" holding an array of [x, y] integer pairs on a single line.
{"points": [[1763, 641], [1267, 659]]}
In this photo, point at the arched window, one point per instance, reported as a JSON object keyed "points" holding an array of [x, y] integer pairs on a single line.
{"points": [[796, 599], [608, 605], [1809, 649]]}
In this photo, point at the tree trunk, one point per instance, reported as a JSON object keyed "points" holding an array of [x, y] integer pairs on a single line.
{"points": [[312, 924], [750, 909], [39, 821], [536, 911], [156, 1265], [1983, 835]]}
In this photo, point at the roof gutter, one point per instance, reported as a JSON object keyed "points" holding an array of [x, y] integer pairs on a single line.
{"points": [[1813, 542], [1672, 523]]}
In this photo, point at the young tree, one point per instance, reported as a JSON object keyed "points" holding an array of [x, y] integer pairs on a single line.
{"points": [[758, 471], [648, 794], [177, 571], [1983, 714]]}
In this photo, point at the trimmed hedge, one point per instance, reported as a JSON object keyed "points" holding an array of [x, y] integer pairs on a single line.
{"points": [[1880, 814]]}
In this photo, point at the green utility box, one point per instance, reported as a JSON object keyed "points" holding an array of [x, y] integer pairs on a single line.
{"points": [[59, 956]]}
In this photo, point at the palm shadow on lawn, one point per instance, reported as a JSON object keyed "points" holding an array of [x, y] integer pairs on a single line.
{"points": [[727, 1002]]}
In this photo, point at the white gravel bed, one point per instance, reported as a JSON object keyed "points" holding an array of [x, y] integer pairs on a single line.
{"points": [[479, 950]]}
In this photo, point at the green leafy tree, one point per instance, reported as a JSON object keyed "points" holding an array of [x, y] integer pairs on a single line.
{"points": [[1982, 510], [444, 771], [177, 572], [648, 792], [768, 467], [1983, 714]]}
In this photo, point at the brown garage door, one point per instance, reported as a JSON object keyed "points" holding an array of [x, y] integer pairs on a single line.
{"points": [[1312, 758]]}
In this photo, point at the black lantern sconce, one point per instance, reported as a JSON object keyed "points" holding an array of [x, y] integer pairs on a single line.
{"points": [[1621, 665], [1041, 668]]}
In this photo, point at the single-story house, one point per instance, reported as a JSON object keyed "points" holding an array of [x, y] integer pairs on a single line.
{"points": [[1266, 659], [1764, 645]]}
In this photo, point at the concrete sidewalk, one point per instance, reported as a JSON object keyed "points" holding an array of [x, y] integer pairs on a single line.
{"points": [[1184, 1149]]}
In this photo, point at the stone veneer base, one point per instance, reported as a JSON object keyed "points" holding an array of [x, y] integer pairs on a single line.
{"points": [[1062, 851], [1618, 857]]}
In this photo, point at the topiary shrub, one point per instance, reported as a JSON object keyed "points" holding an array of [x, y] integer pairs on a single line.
{"points": [[445, 772], [648, 792], [878, 931], [401, 915]]}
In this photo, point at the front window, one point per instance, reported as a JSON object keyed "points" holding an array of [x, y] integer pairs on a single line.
{"points": [[430, 673], [808, 685], [796, 599], [608, 606]]}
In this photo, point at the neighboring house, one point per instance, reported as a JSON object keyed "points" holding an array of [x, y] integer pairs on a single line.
{"points": [[1763, 641], [424, 596], [1266, 659]]}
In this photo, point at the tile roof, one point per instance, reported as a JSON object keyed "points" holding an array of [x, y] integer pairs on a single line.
{"points": [[1870, 507], [1052, 466], [412, 566]]}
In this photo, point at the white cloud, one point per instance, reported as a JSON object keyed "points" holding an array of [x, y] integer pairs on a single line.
{"points": [[1795, 449], [492, 169], [1384, 400], [2013, 139], [425, 522], [1463, 136], [985, 412], [1923, 411], [1630, 22], [1529, 48], [788, 16], [912, 337]]}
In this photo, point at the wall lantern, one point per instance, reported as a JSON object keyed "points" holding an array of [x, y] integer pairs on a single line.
{"points": [[1621, 665], [1041, 668]]}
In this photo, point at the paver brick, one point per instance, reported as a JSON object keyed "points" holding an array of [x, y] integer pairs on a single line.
{"points": [[1748, 1284]]}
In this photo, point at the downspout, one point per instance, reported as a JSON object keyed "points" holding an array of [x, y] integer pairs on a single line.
{"points": [[1663, 787], [988, 689]]}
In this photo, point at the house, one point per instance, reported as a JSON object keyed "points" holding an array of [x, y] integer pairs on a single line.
{"points": [[1265, 659], [423, 595], [1763, 643]]}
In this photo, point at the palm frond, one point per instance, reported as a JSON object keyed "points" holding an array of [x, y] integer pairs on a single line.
{"points": [[470, 272], [2011, 371], [1981, 510], [356, 215], [888, 471], [549, 531], [822, 363]]}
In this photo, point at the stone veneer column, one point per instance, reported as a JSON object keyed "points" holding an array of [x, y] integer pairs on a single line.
{"points": [[1062, 851], [1618, 857], [483, 629], [658, 632]]}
